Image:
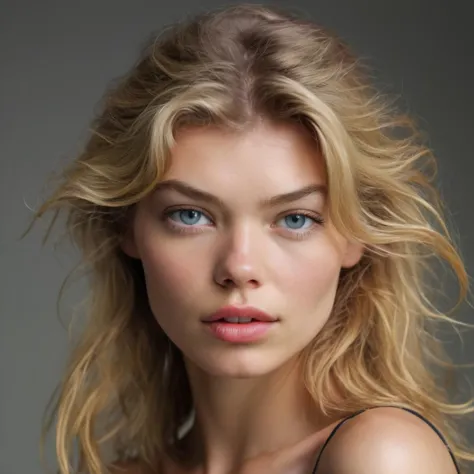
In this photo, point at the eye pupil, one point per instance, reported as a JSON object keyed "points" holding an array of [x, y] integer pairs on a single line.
{"points": [[295, 221], [190, 216]]}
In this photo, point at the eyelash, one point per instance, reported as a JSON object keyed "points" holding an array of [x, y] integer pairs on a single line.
{"points": [[191, 229]]}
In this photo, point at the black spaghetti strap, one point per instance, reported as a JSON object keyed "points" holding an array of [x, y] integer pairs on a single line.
{"points": [[333, 432], [428, 422]]}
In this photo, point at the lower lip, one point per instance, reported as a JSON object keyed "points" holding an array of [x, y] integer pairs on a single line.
{"points": [[240, 333]]}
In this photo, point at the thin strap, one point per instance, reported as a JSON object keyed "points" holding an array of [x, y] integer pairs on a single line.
{"points": [[438, 433], [333, 432]]}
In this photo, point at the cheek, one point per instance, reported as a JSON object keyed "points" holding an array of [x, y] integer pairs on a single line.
{"points": [[312, 275], [313, 292], [169, 275], [172, 289], [170, 270], [308, 286]]}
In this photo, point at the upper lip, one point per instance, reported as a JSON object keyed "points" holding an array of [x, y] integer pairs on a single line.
{"points": [[240, 312]]}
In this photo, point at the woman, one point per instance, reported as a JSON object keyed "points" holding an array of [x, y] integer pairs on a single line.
{"points": [[257, 223]]}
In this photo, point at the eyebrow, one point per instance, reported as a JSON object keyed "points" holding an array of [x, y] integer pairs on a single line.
{"points": [[197, 194]]}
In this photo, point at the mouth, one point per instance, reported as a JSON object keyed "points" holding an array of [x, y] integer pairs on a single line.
{"points": [[240, 315], [240, 324], [236, 320]]}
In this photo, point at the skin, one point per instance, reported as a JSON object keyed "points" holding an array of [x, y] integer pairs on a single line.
{"points": [[253, 412]]}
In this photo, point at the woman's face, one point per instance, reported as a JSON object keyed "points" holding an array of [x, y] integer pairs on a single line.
{"points": [[241, 220]]}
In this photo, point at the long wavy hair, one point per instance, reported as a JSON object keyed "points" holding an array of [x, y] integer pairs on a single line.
{"points": [[125, 387]]}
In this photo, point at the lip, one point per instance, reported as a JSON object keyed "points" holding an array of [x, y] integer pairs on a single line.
{"points": [[241, 312], [240, 333]]}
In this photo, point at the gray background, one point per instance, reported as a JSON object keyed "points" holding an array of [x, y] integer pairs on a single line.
{"points": [[56, 58]]}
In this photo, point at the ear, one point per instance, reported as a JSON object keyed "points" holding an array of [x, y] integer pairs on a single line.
{"points": [[353, 253], [128, 244]]}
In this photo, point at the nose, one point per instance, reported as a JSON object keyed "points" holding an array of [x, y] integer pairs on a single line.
{"points": [[239, 261]]}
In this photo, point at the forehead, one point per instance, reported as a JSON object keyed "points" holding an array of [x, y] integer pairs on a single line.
{"points": [[268, 155]]}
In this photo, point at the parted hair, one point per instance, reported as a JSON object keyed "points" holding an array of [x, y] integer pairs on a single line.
{"points": [[125, 382]]}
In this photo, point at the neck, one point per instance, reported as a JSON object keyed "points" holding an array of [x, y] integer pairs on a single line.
{"points": [[240, 418]]}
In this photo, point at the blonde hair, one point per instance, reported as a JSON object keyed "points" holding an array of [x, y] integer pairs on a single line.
{"points": [[125, 383]]}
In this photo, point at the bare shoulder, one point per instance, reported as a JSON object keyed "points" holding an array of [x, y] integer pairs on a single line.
{"points": [[386, 441]]}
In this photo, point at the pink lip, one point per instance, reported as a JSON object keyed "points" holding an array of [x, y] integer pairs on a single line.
{"points": [[240, 332], [241, 312]]}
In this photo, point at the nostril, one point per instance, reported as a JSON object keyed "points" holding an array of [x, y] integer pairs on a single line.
{"points": [[229, 280], [230, 283]]}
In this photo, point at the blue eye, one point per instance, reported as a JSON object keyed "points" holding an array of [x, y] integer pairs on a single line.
{"points": [[298, 221], [188, 217]]}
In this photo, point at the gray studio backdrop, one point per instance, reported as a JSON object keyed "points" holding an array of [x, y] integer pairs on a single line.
{"points": [[56, 58]]}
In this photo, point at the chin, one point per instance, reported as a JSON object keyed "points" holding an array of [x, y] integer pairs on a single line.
{"points": [[240, 362]]}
